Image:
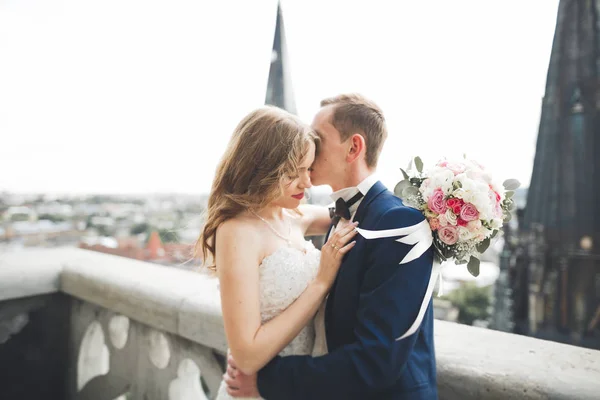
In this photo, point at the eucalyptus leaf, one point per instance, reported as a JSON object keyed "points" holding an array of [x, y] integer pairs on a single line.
{"points": [[460, 262], [511, 184], [512, 205], [419, 164], [409, 191], [400, 187], [509, 194], [483, 246], [473, 266], [508, 217], [404, 174], [494, 234]]}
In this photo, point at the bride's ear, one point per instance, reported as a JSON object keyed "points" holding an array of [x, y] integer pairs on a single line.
{"points": [[357, 147]]}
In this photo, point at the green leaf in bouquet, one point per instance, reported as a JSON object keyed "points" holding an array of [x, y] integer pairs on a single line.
{"points": [[409, 191], [512, 205], [494, 234], [483, 246], [404, 174], [511, 184], [508, 216], [456, 185], [460, 262], [509, 194], [473, 266], [419, 164], [401, 186]]}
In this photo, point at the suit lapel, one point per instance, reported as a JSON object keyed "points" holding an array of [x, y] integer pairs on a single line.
{"points": [[372, 194]]}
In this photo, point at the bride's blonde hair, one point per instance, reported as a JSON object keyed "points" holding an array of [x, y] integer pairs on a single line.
{"points": [[265, 148]]}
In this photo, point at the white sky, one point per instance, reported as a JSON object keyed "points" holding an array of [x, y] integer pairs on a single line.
{"points": [[136, 96]]}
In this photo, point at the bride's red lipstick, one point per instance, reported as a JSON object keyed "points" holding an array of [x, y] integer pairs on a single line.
{"points": [[299, 196]]}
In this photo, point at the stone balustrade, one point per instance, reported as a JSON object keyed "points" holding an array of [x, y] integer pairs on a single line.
{"points": [[125, 329]]}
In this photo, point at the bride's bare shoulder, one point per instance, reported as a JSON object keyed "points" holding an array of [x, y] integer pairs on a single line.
{"points": [[239, 228]]}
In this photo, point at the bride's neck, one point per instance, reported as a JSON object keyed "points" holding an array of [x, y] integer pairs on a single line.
{"points": [[271, 213]]}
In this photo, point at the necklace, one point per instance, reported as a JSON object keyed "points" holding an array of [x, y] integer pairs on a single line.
{"points": [[287, 239]]}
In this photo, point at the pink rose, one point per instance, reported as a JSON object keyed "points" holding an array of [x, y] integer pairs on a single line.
{"points": [[456, 168], [455, 202], [461, 222], [455, 205], [498, 211], [436, 202], [434, 224], [448, 234], [497, 196], [469, 212], [443, 163]]}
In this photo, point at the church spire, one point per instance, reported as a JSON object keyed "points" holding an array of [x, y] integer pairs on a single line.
{"points": [[279, 88]]}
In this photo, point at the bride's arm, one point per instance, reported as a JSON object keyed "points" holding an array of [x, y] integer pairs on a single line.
{"points": [[251, 343], [315, 219]]}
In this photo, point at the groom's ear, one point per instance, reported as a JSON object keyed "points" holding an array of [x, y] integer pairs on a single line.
{"points": [[357, 147]]}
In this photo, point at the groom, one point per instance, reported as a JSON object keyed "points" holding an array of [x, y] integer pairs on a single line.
{"points": [[374, 300]]}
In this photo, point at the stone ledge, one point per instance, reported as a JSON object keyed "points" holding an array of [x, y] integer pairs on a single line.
{"points": [[472, 362], [482, 363], [149, 293], [31, 273]]}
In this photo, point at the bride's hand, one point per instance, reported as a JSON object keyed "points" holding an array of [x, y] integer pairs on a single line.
{"points": [[333, 252]]}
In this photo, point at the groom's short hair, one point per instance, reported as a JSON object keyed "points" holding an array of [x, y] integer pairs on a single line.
{"points": [[354, 113]]}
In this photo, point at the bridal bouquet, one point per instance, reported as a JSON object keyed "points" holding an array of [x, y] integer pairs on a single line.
{"points": [[464, 206]]}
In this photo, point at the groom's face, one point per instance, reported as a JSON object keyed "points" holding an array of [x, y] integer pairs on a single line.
{"points": [[330, 162]]}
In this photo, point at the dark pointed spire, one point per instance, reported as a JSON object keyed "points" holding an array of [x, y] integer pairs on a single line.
{"points": [[557, 262], [564, 195], [279, 88]]}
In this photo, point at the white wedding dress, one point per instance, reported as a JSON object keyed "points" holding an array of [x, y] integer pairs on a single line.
{"points": [[284, 275]]}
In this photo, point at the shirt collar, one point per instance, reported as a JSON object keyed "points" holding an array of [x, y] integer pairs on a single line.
{"points": [[362, 187]]}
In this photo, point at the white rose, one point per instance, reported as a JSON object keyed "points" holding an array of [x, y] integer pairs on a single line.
{"points": [[451, 217], [464, 234], [496, 223]]}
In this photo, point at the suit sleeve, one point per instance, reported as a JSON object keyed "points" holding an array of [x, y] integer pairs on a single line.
{"points": [[390, 299]]}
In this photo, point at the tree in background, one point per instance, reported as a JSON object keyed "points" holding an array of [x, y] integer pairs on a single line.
{"points": [[473, 302]]}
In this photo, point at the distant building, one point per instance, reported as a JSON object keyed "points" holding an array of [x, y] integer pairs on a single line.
{"points": [[552, 257], [154, 250]]}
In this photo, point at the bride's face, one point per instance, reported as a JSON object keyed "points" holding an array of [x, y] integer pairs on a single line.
{"points": [[294, 187]]}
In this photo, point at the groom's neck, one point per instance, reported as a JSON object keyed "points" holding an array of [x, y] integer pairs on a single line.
{"points": [[353, 178]]}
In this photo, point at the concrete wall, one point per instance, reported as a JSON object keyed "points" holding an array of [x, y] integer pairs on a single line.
{"points": [[34, 334], [148, 331]]}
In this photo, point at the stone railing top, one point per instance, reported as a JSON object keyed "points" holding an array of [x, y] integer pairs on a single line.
{"points": [[480, 363], [472, 362], [32, 272], [182, 302]]}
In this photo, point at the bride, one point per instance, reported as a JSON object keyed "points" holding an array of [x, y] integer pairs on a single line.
{"points": [[272, 281]]}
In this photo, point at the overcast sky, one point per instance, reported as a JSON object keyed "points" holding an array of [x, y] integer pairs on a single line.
{"points": [[136, 96]]}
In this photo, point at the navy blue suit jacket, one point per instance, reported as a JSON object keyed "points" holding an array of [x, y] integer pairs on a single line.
{"points": [[373, 301]]}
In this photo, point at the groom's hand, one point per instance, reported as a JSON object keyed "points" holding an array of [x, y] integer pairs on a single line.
{"points": [[238, 383]]}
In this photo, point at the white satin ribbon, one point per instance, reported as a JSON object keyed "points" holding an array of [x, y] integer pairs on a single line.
{"points": [[421, 237]]}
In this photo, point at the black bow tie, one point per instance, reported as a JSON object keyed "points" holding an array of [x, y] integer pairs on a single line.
{"points": [[342, 208]]}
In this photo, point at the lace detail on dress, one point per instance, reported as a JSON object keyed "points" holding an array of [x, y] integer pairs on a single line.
{"points": [[283, 276]]}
